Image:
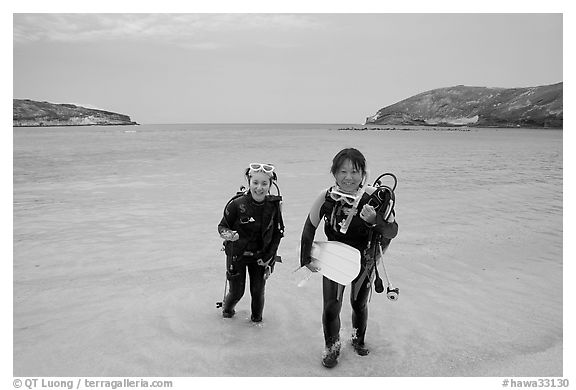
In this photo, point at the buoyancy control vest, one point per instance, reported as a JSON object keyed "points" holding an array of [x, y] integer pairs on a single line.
{"points": [[260, 226]]}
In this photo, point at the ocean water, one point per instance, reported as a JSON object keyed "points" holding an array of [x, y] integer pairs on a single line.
{"points": [[116, 252]]}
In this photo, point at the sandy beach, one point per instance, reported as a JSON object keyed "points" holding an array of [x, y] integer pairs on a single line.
{"points": [[117, 263]]}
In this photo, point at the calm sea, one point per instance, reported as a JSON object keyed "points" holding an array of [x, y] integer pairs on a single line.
{"points": [[516, 173]]}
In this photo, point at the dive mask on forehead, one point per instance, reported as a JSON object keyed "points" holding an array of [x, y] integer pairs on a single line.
{"points": [[257, 167]]}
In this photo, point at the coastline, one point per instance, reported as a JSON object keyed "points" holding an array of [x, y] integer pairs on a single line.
{"points": [[79, 125]]}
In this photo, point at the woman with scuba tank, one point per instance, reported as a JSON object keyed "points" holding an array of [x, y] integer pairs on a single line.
{"points": [[355, 227], [251, 228]]}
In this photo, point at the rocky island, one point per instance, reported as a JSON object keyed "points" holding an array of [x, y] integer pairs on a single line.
{"points": [[30, 113], [540, 107]]}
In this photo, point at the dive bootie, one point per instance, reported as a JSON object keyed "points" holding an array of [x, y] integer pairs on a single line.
{"points": [[330, 356], [359, 348]]}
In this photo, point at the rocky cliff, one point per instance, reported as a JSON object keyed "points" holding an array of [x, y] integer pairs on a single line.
{"points": [[31, 113], [478, 107]]}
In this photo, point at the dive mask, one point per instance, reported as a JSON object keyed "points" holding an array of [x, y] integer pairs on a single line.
{"points": [[257, 167], [337, 195]]}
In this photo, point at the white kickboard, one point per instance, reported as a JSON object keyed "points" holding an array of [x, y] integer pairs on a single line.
{"points": [[337, 261]]}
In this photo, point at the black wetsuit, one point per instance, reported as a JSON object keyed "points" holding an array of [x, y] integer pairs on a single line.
{"points": [[357, 236], [260, 228]]}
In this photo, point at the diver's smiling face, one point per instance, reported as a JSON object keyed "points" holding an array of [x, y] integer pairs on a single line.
{"points": [[348, 177], [259, 185]]}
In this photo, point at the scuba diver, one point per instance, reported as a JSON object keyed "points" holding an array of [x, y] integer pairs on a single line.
{"points": [[358, 215], [251, 227]]}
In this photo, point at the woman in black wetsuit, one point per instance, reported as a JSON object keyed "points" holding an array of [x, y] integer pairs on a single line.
{"points": [[334, 205], [251, 228]]}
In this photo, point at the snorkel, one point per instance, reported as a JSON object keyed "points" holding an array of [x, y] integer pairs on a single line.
{"points": [[353, 210]]}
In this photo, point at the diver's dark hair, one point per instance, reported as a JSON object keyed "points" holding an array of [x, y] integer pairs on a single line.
{"points": [[354, 155]]}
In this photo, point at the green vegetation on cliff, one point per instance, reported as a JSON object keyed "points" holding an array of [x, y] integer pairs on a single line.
{"points": [[478, 107], [30, 113]]}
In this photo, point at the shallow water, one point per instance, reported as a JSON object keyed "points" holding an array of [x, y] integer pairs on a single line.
{"points": [[117, 263]]}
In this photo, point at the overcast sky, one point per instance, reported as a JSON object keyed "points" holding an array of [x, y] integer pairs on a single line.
{"points": [[274, 68]]}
